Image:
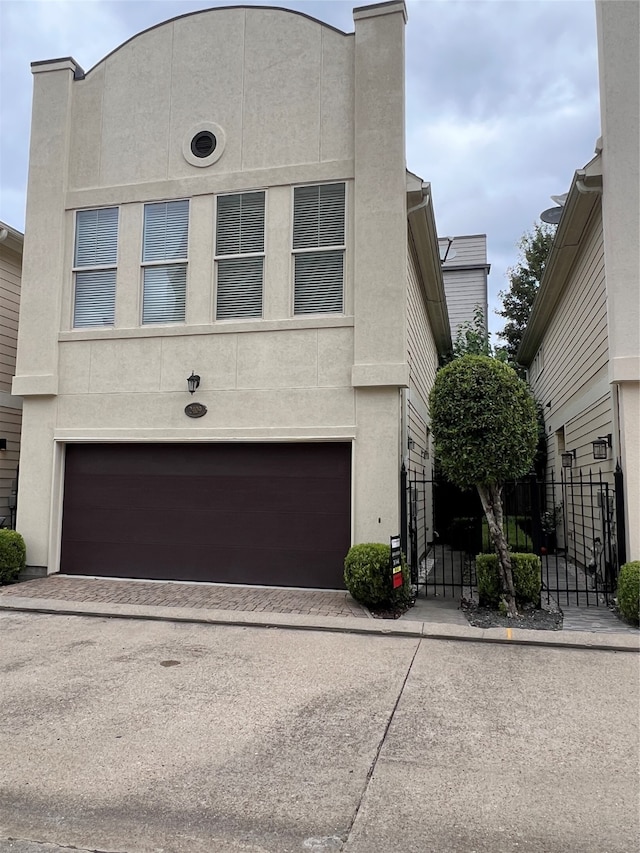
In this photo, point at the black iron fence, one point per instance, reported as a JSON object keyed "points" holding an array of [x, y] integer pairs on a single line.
{"points": [[573, 522]]}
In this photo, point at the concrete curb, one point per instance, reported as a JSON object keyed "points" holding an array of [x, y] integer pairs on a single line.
{"points": [[347, 625]]}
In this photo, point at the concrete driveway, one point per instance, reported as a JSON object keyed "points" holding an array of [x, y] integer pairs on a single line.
{"points": [[152, 737]]}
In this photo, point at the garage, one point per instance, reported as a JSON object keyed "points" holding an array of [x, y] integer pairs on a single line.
{"points": [[274, 514]]}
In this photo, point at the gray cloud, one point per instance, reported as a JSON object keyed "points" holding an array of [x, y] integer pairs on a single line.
{"points": [[502, 101]]}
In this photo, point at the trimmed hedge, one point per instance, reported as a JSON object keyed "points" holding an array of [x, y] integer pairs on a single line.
{"points": [[13, 555], [629, 591], [367, 576], [527, 578]]}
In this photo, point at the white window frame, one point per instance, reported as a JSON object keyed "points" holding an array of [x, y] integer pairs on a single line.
{"points": [[239, 256], [164, 262], [342, 247], [79, 269]]}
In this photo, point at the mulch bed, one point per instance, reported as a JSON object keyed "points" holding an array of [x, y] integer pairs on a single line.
{"points": [[535, 618]]}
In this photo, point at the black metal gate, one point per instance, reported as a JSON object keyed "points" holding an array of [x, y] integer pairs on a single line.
{"points": [[582, 545], [571, 522]]}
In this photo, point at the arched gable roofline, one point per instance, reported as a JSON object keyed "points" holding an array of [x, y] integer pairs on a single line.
{"points": [[206, 12]]}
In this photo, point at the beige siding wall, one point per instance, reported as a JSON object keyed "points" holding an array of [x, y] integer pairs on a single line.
{"points": [[423, 363], [464, 289], [465, 277], [10, 265], [574, 352], [10, 414], [571, 372]]}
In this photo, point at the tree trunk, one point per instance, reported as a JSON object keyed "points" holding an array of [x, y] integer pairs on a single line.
{"points": [[491, 497]]}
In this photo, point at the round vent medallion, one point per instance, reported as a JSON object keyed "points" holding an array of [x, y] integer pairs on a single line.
{"points": [[203, 144]]}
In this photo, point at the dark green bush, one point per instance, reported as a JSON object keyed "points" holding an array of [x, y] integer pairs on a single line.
{"points": [[629, 591], [527, 578], [12, 555], [367, 576]]}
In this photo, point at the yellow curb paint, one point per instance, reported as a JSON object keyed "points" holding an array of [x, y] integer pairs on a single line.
{"points": [[509, 633]]}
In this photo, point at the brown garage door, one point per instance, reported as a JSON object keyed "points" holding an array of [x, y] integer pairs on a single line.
{"points": [[234, 513]]}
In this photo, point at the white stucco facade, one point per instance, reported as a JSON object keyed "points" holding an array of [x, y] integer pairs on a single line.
{"points": [[292, 103]]}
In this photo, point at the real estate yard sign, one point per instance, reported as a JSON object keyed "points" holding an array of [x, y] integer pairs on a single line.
{"points": [[395, 559]]}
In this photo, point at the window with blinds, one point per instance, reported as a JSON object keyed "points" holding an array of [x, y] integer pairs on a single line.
{"points": [[239, 255], [318, 249], [94, 267], [165, 242]]}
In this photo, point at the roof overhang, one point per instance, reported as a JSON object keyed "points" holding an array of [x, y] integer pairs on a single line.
{"points": [[583, 197], [422, 225], [11, 238]]}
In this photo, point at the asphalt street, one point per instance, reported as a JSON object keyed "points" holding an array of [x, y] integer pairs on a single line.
{"points": [[133, 736]]}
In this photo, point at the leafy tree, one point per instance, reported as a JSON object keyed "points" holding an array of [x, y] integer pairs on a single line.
{"points": [[524, 280], [485, 430], [473, 338]]}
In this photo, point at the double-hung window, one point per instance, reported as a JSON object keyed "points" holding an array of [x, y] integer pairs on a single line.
{"points": [[318, 249], [94, 267], [239, 255], [164, 261]]}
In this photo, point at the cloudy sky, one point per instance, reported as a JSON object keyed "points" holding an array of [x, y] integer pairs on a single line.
{"points": [[502, 98]]}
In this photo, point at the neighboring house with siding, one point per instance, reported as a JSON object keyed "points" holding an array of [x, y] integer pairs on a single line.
{"points": [[465, 271], [225, 194], [566, 352], [582, 343], [11, 245]]}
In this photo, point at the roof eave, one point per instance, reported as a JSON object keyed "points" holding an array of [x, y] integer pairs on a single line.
{"points": [[11, 238], [422, 224]]}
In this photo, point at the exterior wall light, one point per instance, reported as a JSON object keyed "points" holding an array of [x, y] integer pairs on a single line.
{"points": [[411, 444], [601, 446], [193, 382], [567, 458]]}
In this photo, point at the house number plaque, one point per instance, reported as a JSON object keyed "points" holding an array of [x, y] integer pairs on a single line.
{"points": [[195, 410]]}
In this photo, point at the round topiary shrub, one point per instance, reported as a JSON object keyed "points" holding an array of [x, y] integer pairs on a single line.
{"points": [[629, 591], [13, 554], [367, 576]]}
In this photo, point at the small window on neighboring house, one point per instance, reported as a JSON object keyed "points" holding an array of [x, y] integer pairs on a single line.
{"points": [[318, 247], [239, 255], [94, 267], [164, 261]]}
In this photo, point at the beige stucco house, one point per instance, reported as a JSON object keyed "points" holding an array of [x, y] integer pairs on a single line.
{"points": [[582, 343], [11, 243], [225, 195]]}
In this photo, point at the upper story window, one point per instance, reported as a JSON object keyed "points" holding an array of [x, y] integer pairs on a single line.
{"points": [[239, 255], [318, 249], [164, 261], [94, 267]]}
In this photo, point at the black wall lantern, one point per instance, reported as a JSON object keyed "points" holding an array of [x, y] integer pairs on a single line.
{"points": [[601, 446], [193, 382], [567, 458]]}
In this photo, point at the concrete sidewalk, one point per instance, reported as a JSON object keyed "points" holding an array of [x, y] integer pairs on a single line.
{"points": [[302, 609]]}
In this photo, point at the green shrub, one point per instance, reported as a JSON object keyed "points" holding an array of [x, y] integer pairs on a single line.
{"points": [[367, 576], [514, 530], [629, 591], [12, 555], [527, 578]]}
